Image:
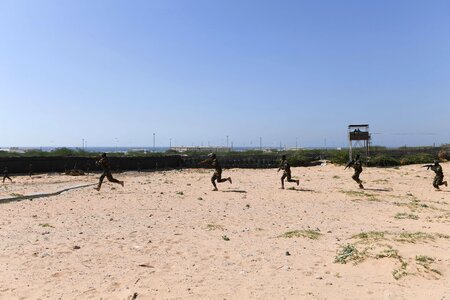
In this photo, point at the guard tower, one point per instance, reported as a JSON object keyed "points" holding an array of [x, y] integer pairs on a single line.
{"points": [[358, 137]]}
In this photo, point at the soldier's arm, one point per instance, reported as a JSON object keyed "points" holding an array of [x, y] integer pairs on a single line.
{"points": [[206, 161]]}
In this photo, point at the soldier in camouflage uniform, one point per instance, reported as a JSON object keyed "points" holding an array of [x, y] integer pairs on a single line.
{"points": [[286, 171], [104, 163], [212, 160], [30, 170], [357, 166], [6, 175], [439, 178]]}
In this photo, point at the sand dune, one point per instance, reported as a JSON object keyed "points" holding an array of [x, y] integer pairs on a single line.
{"points": [[166, 235]]}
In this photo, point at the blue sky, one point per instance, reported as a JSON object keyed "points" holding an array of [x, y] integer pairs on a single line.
{"points": [[114, 72]]}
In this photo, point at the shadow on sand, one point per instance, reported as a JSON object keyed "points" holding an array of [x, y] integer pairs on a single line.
{"points": [[378, 190], [299, 189], [234, 191]]}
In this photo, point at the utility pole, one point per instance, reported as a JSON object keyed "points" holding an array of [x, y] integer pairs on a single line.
{"points": [[154, 137], [227, 141], [296, 143], [170, 143], [260, 143]]}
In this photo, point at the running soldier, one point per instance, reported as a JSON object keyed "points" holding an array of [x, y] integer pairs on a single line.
{"points": [[6, 175], [30, 170], [439, 178], [286, 171], [104, 163], [212, 160], [357, 166]]}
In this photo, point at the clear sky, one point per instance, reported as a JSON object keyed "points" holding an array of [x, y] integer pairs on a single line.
{"points": [[195, 71]]}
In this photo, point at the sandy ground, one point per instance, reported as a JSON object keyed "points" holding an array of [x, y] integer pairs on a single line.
{"points": [[166, 235]]}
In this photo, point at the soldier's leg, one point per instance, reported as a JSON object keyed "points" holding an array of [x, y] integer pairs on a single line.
{"points": [[9, 178], [100, 181], [289, 179], [4, 177], [213, 180], [355, 177], [220, 179], [112, 179], [441, 181], [436, 182], [282, 179]]}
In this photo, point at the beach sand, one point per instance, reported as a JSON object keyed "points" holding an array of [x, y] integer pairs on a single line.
{"points": [[167, 235]]}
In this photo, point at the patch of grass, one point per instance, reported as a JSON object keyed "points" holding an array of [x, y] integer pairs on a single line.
{"points": [[180, 193], [373, 245], [310, 234], [400, 272], [370, 236], [349, 253], [336, 177], [425, 262], [415, 205], [214, 227], [423, 259], [414, 237], [406, 216], [225, 238], [368, 196], [46, 225], [388, 253]]}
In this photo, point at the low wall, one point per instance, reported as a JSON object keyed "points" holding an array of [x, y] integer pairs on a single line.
{"points": [[60, 164]]}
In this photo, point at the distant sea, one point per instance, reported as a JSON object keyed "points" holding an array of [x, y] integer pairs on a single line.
{"points": [[147, 149], [125, 149]]}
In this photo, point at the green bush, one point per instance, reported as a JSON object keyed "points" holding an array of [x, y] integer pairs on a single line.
{"points": [[298, 159], [339, 157], [419, 158], [383, 161]]}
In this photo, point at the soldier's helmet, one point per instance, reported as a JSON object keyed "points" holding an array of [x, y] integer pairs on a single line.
{"points": [[283, 156], [212, 155], [103, 154], [436, 162]]}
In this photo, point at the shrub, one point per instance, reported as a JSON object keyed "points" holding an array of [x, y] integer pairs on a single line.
{"points": [[383, 161], [419, 158]]}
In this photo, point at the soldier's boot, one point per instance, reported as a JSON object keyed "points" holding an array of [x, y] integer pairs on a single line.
{"points": [[298, 182], [97, 188], [361, 186], [445, 183], [229, 179], [122, 183]]}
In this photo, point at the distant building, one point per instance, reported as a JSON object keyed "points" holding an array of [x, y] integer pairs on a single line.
{"points": [[200, 149]]}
